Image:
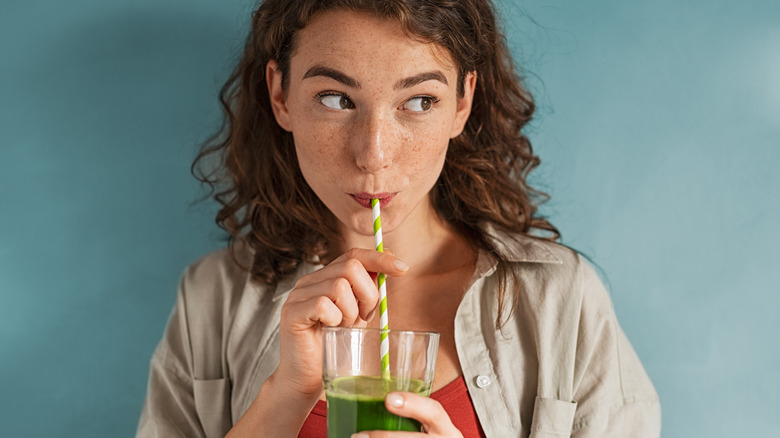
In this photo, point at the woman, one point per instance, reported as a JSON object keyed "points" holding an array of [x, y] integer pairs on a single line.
{"points": [[415, 103]]}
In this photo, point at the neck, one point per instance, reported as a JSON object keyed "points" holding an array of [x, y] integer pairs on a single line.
{"points": [[424, 241]]}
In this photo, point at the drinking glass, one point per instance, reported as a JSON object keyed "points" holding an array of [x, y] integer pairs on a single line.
{"points": [[356, 386]]}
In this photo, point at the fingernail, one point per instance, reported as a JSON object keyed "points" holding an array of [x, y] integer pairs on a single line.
{"points": [[395, 400], [359, 435], [401, 266], [371, 315]]}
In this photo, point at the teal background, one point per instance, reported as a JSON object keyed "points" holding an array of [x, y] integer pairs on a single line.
{"points": [[658, 128]]}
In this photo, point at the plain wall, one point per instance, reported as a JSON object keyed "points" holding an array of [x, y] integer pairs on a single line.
{"points": [[658, 128]]}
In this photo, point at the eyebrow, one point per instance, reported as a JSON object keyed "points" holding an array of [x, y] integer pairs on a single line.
{"points": [[420, 78], [320, 70]]}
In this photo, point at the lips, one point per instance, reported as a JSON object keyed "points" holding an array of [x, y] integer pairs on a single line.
{"points": [[364, 199]]}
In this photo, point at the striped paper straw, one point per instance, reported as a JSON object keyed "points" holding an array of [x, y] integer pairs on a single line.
{"points": [[384, 346]]}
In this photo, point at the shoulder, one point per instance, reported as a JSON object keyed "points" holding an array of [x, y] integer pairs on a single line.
{"points": [[530, 250], [571, 270], [215, 283], [217, 266], [548, 265], [551, 281]]}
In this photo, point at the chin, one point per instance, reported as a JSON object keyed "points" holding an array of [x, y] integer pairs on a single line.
{"points": [[357, 226]]}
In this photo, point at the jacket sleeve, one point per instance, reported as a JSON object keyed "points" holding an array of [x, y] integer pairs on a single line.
{"points": [[169, 409], [613, 394]]}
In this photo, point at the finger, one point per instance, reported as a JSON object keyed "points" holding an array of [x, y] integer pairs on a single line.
{"points": [[355, 266], [375, 261], [354, 298], [426, 410], [367, 260], [327, 281], [361, 267], [338, 291], [375, 274], [363, 287], [344, 298], [306, 313], [385, 261]]}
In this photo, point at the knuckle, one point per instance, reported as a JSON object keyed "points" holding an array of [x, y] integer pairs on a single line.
{"points": [[352, 253], [299, 283], [296, 295], [372, 298], [353, 266], [344, 296], [350, 312], [341, 286], [322, 304]]}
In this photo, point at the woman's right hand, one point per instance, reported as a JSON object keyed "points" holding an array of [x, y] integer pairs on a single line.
{"points": [[343, 293], [340, 294]]}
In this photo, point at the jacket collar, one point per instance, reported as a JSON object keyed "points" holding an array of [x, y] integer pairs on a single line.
{"points": [[520, 248]]}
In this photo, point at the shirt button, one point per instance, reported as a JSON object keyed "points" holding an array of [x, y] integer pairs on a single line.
{"points": [[483, 382]]}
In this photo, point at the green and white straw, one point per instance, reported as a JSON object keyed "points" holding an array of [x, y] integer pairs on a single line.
{"points": [[384, 346]]}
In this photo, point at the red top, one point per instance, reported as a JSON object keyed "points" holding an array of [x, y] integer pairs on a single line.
{"points": [[454, 398]]}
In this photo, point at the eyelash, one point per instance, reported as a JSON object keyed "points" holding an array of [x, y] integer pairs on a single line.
{"points": [[325, 94], [434, 100], [320, 96]]}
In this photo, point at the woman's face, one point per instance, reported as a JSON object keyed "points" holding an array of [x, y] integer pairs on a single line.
{"points": [[371, 112]]}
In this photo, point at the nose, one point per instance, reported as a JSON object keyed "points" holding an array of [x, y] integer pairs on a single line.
{"points": [[374, 142]]}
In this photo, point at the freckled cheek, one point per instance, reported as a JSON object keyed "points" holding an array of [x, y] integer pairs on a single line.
{"points": [[316, 147], [428, 145], [313, 134], [320, 139]]}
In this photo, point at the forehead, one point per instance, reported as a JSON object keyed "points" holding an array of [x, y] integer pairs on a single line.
{"points": [[356, 41]]}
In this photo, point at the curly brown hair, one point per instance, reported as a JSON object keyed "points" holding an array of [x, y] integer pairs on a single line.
{"points": [[251, 166]]}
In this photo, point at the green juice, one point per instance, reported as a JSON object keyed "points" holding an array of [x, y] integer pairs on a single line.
{"points": [[357, 404]]}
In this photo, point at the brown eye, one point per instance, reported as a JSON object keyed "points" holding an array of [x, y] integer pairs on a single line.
{"points": [[420, 104], [336, 101], [345, 103]]}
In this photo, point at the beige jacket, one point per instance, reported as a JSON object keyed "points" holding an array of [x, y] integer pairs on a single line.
{"points": [[561, 366]]}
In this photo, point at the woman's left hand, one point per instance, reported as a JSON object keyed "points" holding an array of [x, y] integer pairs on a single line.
{"points": [[426, 410]]}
